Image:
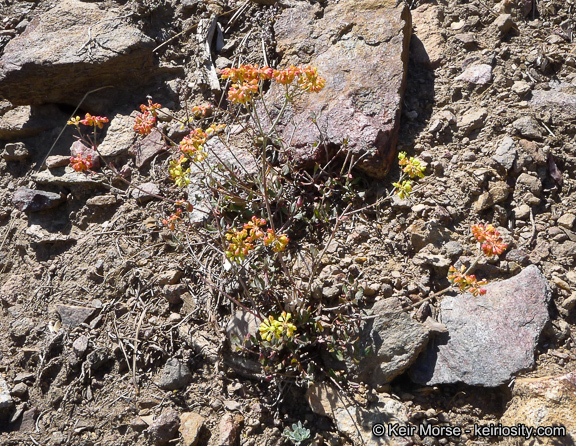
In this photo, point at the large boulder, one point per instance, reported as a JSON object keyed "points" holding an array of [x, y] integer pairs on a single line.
{"points": [[71, 49], [361, 49], [490, 337]]}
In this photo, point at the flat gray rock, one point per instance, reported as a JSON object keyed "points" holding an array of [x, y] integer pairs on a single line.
{"points": [[490, 338], [396, 341], [175, 375], [71, 49], [73, 315], [35, 200], [361, 49]]}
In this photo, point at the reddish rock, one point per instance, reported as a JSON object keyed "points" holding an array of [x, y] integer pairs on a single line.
{"points": [[490, 337], [79, 149], [35, 200], [230, 429], [145, 150], [164, 427], [361, 48], [55, 161]]}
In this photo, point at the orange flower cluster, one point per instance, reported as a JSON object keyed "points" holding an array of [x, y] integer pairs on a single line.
{"points": [[201, 111], [246, 80], [89, 120], [276, 242], [171, 221], [80, 164], [192, 145], [152, 108], [144, 123], [466, 282], [490, 238], [241, 242]]}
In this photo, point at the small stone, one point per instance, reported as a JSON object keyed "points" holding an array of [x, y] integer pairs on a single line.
{"points": [[472, 120], [499, 192], [191, 425], [566, 249], [151, 146], [175, 375], [20, 390], [72, 315], [101, 201], [453, 249], [15, 151], [173, 293], [28, 423], [230, 429], [506, 153], [119, 136], [528, 127], [165, 427], [241, 327], [55, 161], [145, 192], [467, 39], [522, 212], [169, 277], [395, 340], [476, 74], [521, 88], [138, 424], [80, 346], [530, 182], [567, 221], [503, 24], [517, 255], [232, 405], [30, 200]]}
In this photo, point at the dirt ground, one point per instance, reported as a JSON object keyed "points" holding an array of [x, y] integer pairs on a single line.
{"points": [[96, 383]]}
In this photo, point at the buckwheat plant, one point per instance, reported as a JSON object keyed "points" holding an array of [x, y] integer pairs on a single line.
{"points": [[254, 217], [84, 159]]}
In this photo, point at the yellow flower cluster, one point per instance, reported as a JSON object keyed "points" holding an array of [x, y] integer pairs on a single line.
{"points": [[277, 328]]}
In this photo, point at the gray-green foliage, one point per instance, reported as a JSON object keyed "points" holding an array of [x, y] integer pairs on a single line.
{"points": [[298, 434]]}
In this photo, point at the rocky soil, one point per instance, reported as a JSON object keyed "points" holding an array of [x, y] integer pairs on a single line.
{"points": [[111, 336]]}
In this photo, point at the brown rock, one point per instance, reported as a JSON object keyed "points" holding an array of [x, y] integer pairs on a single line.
{"points": [[55, 161], [361, 49], [230, 429], [164, 427], [72, 48], [15, 152], [427, 43], [190, 426], [148, 148], [23, 122], [546, 401]]}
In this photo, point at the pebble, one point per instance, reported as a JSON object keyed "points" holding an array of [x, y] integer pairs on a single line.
{"points": [[567, 220], [15, 151], [191, 425], [164, 427], [476, 74], [175, 375]]}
